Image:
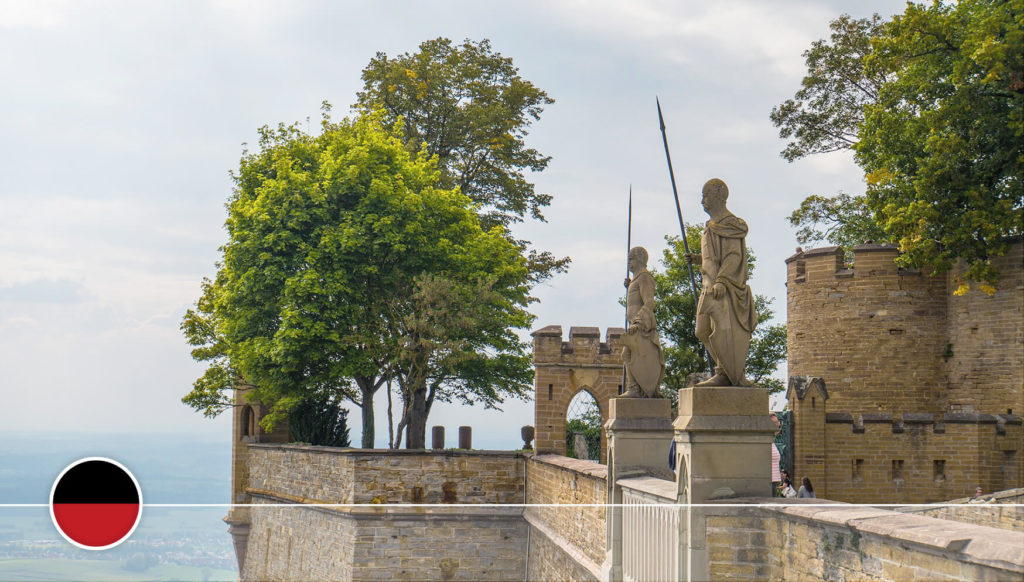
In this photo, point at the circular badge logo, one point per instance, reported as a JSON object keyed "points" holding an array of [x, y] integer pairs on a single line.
{"points": [[95, 503]]}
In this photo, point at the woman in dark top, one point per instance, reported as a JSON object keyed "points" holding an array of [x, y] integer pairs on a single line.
{"points": [[806, 489]]}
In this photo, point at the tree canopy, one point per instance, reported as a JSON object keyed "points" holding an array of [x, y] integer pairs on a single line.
{"points": [[940, 135], [468, 105], [675, 308], [346, 260]]}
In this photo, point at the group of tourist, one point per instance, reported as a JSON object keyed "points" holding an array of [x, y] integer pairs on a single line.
{"points": [[786, 488]]}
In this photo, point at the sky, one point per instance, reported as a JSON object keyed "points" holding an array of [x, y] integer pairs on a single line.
{"points": [[122, 121]]}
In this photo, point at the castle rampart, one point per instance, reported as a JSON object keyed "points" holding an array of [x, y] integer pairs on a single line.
{"points": [[564, 368], [922, 380], [876, 334]]}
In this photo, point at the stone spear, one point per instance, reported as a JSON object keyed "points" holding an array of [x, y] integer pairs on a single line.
{"points": [[679, 214]]}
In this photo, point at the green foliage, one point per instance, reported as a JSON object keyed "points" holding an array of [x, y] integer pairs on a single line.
{"points": [[332, 240], [587, 423], [468, 106], [932, 103], [842, 220], [319, 420], [828, 109], [676, 311], [943, 146]]}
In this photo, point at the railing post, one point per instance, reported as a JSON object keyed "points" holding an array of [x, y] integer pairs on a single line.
{"points": [[639, 432]]}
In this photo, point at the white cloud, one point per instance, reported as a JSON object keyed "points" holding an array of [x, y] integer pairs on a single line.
{"points": [[37, 14], [691, 33]]}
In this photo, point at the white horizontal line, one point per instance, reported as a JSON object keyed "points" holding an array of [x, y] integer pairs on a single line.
{"points": [[463, 505]]}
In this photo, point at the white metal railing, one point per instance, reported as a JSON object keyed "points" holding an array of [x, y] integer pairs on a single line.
{"points": [[650, 536]]}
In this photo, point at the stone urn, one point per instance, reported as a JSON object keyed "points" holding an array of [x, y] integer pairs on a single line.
{"points": [[527, 433]]}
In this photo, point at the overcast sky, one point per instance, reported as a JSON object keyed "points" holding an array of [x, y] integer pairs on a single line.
{"points": [[122, 120]]}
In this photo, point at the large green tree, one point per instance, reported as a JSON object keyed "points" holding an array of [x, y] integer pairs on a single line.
{"points": [[932, 103], [943, 146], [468, 105], [676, 311], [333, 241]]}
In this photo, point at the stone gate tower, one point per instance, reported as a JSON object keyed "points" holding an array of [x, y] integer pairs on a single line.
{"points": [[562, 369]]}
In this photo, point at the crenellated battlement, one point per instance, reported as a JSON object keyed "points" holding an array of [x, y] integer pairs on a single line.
{"points": [[584, 346], [828, 264], [899, 423]]}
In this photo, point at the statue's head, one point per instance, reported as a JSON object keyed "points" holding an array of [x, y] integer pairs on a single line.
{"points": [[715, 194], [637, 258]]}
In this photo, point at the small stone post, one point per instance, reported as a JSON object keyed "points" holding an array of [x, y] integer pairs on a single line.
{"points": [[465, 437], [437, 437], [639, 436], [723, 440]]}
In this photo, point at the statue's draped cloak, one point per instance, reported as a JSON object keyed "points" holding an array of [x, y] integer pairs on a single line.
{"points": [[732, 273], [732, 316]]}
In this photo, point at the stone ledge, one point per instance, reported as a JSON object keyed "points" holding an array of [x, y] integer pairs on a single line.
{"points": [[661, 488], [410, 511], [377, 453], [963, 542], [588, 468]]}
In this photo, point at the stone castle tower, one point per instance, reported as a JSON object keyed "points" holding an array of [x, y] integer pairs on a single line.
{"points": [[562, 369], [920, 391], [245, 429]]}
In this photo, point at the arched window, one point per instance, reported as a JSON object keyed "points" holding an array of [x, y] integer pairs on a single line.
{"points": [[248, 422], [583, 427]]}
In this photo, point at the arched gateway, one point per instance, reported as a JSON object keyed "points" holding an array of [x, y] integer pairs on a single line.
{"points": [[563, 369]]}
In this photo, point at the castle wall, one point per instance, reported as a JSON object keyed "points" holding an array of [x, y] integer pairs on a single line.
{"points": [[1003, 509], [289, 539], [563, 369], [804, 542], [876, 458], [312, 474], [874, 333], [902, 349], [291, 542], [570, 541], [986, 342]]}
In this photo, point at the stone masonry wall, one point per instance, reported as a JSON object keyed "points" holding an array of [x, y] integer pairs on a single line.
{"points": [[569, 540], [376, 539], [804, 542], [876, 458], [1002, 509], [292, 542], [986, 342], [901, 351], [564, 368], [330, 475], [874, 333]]}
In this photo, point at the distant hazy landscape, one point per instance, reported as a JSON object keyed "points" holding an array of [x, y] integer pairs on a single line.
{"points": [[171, 543]]}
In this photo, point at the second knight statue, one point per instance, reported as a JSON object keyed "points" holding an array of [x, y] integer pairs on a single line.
{"points": [[641, 352]]}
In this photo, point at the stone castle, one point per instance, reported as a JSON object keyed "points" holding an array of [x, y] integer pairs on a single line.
{"points": [[908, 393], [920, 391]]}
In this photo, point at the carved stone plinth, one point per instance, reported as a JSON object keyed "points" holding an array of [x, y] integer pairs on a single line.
{"points": [[639, 434], [723, 443], [723, 438]]}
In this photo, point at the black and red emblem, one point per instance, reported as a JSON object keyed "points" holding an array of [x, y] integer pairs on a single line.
{"points": [[96, 503]]}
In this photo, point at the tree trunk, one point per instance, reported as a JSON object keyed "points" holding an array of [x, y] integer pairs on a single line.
{"points": [[416, 432], [367, 386]]}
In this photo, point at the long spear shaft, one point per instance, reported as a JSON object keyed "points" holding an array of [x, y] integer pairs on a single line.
{"points": [[679, 215], [629, 241]]}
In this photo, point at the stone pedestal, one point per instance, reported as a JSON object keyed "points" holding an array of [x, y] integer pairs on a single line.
{"points": [[639, 432], [723, 441]]}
